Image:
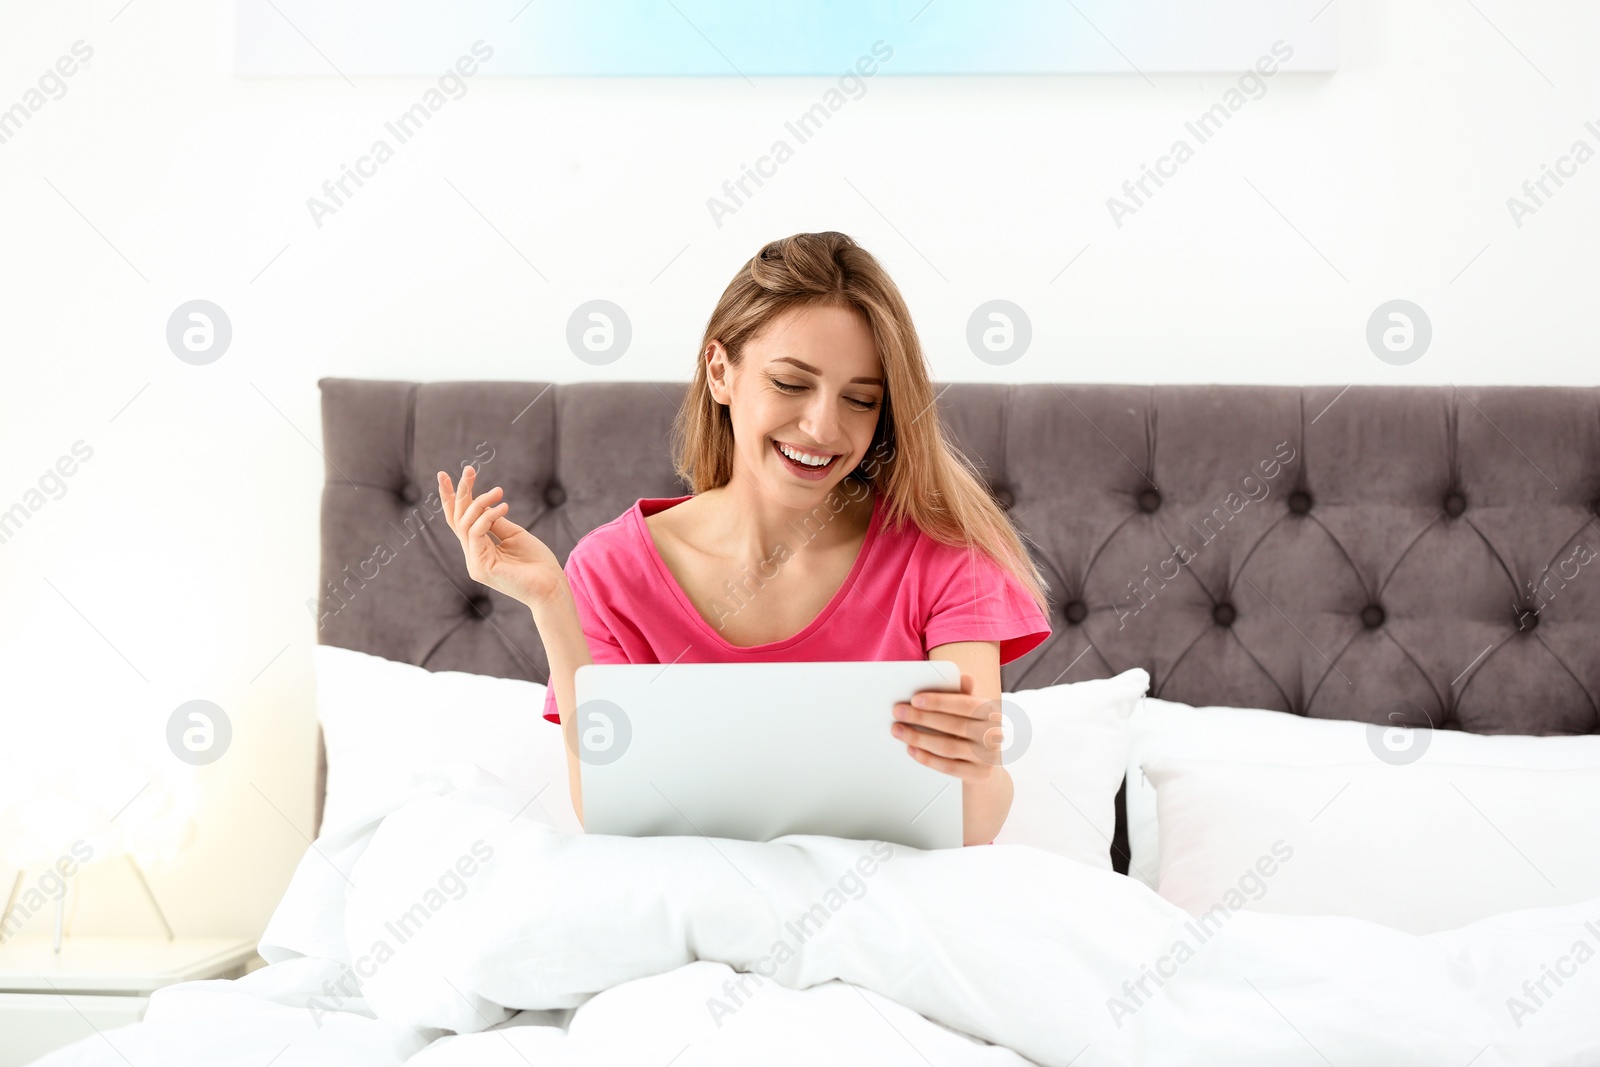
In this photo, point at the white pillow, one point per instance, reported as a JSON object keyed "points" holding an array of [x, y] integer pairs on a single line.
{"points": [[1066, 749], [1421, 848], [1066, 746], [1161, 729], [382, 720]]}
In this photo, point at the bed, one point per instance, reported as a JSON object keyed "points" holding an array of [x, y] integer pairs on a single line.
{"points": [[1372, 559]]}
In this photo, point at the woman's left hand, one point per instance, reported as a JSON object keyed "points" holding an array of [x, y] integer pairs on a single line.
{"points": [[960, 734]]}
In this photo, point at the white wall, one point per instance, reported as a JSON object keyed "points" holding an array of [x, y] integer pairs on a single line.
{"points": [[178, 562]]}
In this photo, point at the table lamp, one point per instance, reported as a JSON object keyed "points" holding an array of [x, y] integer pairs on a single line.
{"points": [[104, 804]]}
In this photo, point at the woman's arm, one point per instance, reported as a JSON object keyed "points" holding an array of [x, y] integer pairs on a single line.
{"points": [[504, 556], [567, 649], [986, 787]]}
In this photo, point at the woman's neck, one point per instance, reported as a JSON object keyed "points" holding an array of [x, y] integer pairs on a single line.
{"points": [[739, 521]]}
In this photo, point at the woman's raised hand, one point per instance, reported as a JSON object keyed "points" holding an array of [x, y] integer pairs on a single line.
{"points": [[513, 561]]}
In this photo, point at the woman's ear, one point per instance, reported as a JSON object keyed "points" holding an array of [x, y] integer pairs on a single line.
{"points": [[717, 368]]}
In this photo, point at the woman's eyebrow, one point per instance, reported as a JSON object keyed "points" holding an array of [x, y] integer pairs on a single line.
{"points": [[809, 369]]}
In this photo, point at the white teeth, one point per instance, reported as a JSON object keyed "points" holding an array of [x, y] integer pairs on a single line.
{"points": [[801, 457]]}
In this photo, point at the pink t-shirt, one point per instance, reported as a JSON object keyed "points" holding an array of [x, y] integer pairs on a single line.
{"points": [[905, 594]]}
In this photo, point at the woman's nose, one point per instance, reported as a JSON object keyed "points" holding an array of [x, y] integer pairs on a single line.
{"points": [[821, 422]]}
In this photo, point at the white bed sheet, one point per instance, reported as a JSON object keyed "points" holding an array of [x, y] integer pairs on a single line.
{"points": [[596, 950]]}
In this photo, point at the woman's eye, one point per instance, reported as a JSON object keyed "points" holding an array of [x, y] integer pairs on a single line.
{"points": [[789, 387]]}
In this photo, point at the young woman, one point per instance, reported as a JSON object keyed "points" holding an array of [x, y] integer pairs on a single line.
{"points": [[830, 520]]}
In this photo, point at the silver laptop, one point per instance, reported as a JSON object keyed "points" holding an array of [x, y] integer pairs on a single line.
{"points": [[756, 750]]}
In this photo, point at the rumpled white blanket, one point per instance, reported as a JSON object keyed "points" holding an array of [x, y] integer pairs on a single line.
{"points": [[458, 928]]}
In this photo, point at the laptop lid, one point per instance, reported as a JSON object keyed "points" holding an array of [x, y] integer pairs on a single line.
{"points": [[754, 751]]}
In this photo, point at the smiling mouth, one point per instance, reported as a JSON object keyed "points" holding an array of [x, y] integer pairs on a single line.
{"points": [[805, 470]]}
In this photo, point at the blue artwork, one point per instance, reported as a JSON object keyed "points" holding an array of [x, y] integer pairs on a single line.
{"points": [[756, 38]]}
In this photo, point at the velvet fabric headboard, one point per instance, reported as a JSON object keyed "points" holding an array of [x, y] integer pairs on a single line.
{"points": [[1360, 553]]}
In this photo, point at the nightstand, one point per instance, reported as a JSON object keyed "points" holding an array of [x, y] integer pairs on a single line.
{"points": [[97, 983]]}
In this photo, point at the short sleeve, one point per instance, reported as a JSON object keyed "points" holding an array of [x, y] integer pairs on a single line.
{"points": [[974, 598], [603, 646]]}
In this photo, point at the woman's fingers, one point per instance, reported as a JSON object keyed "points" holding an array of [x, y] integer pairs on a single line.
{"points": [[955, 768], [464, 494], [959, 725], [447, 497], [504, 528], [939, 744], [480, 526], [470, 513]]}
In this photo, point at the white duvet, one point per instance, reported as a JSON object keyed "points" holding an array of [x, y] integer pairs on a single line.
{"points": [[453, 927]]}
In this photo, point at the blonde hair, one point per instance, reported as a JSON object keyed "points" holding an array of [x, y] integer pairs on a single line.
{"points": [[921, 475]]}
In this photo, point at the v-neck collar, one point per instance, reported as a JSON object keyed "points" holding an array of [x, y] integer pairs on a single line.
{"points": [[652, 505]]}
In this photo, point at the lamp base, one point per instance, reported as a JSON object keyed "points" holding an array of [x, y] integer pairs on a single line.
{"points": [[11, 901], [151, 897], [61, 906]]}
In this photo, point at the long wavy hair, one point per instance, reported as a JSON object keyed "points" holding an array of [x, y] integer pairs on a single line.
{"points": [[921, 475]]}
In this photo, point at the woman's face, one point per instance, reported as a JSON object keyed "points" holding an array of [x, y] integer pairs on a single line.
{"points": [[811, 381]]}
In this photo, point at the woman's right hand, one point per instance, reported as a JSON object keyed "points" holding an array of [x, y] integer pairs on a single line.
{"points": [[513, 561]]}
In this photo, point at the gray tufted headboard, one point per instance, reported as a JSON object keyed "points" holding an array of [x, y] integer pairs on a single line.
{"points": [[1355, 554]]}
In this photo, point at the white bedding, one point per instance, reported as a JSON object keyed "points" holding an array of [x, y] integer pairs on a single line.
{"points": [[530, 945]]}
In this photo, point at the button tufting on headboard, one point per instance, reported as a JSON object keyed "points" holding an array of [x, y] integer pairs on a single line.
{"points": [[1229, 583]]}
